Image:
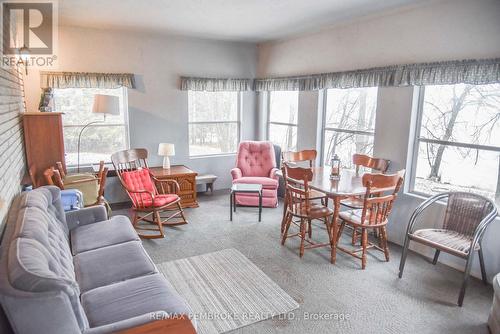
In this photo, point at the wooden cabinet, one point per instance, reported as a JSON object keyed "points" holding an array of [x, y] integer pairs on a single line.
{"points": [[43, 140], [185, 177]]}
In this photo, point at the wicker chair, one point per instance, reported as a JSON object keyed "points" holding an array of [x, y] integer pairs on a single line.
{"points": [[466, 218]]}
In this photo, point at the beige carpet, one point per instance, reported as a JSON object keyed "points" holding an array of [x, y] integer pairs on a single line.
{"points": [[226, 290]]}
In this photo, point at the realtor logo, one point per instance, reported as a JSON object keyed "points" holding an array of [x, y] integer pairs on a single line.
{"points": [[28, 25], [29, 33]]}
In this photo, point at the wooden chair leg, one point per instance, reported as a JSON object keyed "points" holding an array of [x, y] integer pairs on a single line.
{"points": [[134, 218], [309, 228], [302, 237], [328, 229], [341, 229], [354, 236], [364, 244], [283, 221], [288, 222], [158, 222], [181, 211], [383, 238]]}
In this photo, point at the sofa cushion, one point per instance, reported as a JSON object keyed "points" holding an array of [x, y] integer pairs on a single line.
{"points": [[114, 231], [41, 245], [111, 264], [131, 298], [267, 183], [47, 199], [33, 268]]}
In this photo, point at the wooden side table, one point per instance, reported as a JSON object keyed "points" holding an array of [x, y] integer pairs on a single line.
{"points": [[186, 179]]}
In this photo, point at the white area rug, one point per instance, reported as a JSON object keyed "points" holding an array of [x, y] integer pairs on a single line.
{"points": [[226, 290]]}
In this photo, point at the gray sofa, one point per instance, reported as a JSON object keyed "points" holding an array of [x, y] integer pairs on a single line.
{"points": [[77, 272]]}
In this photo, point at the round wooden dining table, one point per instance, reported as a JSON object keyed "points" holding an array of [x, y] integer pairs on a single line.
{"points": [[346, 185]]}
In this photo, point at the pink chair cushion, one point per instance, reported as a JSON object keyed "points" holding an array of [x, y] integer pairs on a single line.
{"points": [[140, 180], [267, 183], [256, 158], [160, 200]]}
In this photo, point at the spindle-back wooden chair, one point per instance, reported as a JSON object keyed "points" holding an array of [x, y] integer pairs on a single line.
{"points": [[381, 192], [300, 206]]}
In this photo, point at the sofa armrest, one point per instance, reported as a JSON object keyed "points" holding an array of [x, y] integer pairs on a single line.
{"points": [[86, 216], [273, 175], [236, 173]]}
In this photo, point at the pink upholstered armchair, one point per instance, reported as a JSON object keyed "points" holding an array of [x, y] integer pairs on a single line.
{"points": [[256, 164]]}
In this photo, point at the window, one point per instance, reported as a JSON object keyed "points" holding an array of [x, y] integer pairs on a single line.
{"points": [[458, 140], [349, 123], [282, 122], [214, 122], [100, 139]]}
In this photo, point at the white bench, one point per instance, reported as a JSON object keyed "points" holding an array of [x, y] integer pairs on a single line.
{"points": [[208, 180]]}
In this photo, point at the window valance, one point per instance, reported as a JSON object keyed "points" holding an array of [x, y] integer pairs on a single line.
{"points": [[438, 73], [215, 84], [86, 80]]}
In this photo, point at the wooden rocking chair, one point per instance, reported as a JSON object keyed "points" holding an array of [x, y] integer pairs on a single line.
{"points": [[150, 196]]}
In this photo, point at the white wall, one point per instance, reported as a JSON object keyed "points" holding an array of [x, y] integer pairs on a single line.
{"points": [[157, 108], [437, 31], [443, 30]]}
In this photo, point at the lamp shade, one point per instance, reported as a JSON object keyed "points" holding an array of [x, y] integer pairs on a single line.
{"points": [[106, 104], [166, 149]]}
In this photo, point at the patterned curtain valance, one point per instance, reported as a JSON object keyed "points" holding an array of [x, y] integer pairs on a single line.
{"points": [[215, 85], [438, 73], [86, 80]]}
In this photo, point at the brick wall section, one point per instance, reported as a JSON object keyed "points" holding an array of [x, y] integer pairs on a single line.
{"points": [[12, 156]]}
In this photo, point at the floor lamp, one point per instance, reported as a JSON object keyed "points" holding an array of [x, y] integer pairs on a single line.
{"points": [[105, 105]]}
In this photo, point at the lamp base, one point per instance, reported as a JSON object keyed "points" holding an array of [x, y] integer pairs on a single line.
{"points": [[166, 162]]}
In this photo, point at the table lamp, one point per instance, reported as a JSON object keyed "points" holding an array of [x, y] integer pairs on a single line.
{"points": [[105, 105], [166, 150]]}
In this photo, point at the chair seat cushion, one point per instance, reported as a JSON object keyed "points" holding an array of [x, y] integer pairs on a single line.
{"points": [[160, 200], [315, 211], [353, 217], [267, 183], [114, 231], [107, 265], [131, 298], [353, 202], [444, 239], [314, 194]]}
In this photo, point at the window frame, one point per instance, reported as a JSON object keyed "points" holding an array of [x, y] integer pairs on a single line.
{"points": [[269, 122], [324, 128], [239, 103], [125, 124], [417, 139]]}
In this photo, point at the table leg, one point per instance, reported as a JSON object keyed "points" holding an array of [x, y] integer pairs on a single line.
{"points": [[234, 201], [260, 205], [231, 206], [336, 208]]}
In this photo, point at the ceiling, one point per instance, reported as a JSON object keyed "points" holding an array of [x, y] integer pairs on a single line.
{"points": [[241, 20]]}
